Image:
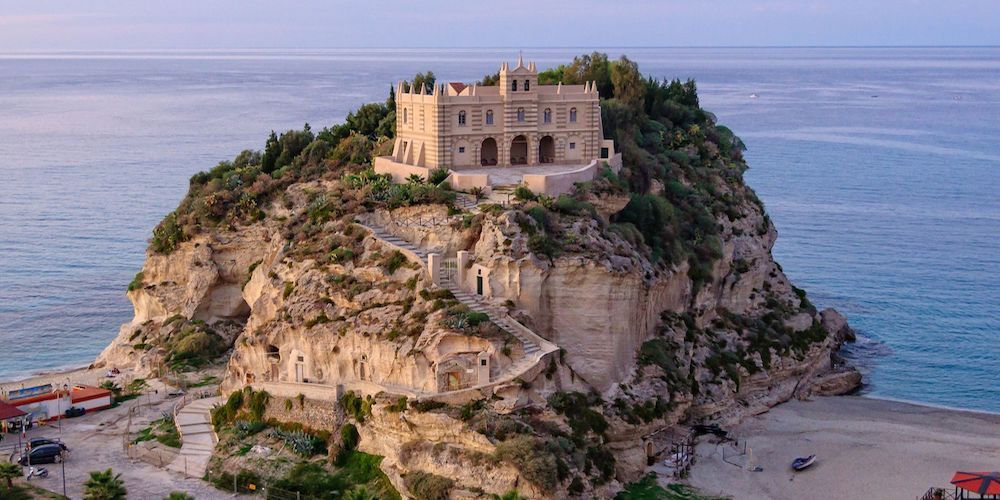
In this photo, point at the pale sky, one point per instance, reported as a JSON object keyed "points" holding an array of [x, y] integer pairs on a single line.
{"points": [[212, 24]]}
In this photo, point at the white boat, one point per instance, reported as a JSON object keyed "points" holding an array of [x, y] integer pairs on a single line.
{"points": [[803, 463]]}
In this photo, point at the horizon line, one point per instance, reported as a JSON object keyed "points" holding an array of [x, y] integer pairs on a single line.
{"points": [[484, 47]]}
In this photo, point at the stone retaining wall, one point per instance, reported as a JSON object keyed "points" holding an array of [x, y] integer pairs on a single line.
{"points": [[310, 412]]}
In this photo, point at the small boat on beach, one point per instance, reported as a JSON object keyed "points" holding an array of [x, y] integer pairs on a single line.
{"points": [[803, 463]]}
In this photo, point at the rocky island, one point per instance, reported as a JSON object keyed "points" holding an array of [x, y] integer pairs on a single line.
{"points": [[395, 314]]}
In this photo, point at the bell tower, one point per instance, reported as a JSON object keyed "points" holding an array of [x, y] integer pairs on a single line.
{"points": [[519, 80]]}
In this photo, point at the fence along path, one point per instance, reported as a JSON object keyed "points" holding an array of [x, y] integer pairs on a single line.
{"points": [[194, 423]]}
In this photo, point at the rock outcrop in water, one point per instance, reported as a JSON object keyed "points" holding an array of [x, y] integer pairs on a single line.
{"points": [[658, 287]]}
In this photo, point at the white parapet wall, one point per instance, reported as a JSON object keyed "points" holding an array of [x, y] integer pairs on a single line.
{"points": [[562, 182], [464, 182], [399, 171]]}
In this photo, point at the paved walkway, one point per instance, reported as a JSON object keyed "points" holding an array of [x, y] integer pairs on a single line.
{"points": [[194, 422]]}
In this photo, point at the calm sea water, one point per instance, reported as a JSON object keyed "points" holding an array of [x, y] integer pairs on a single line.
{"points": [[880, 167]]}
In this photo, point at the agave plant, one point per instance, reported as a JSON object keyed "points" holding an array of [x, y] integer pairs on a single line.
{"points": [[301, 442]]}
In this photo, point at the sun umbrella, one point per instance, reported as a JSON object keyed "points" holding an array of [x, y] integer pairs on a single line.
{"points": [[984, 483]]}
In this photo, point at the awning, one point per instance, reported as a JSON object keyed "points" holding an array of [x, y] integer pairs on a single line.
{"points": [[983, 483], [8, 412]]}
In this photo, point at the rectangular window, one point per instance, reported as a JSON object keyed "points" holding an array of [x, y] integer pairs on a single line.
{"points": [[604, 152], [572, 145], [461, 149], [482, 362]]}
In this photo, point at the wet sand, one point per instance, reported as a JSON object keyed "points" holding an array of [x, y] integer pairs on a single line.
{"points": [[866, 448]]}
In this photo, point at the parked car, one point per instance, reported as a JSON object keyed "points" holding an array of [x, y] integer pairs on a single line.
{"points": [[44, 454], [41, 441], [74, 411]]}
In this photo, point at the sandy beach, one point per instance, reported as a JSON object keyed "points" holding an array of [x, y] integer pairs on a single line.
{"points": [[866, 448], [71, 377]]}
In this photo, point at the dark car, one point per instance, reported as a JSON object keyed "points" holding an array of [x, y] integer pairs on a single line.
{"points": [[74, 411], [40, 441], [44, 454]]}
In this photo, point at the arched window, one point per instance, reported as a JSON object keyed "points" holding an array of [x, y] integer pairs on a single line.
{"points": [[527, 85], [461, 118], [513, 85], [520, 114], [572, 115], [404, 114], [547, 115], [489, 117]]}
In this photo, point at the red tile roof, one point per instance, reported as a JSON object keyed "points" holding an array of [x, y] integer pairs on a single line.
{"points": [[458, 86], [8, 412]]}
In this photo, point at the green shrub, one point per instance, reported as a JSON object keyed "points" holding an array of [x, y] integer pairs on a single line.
{"points": [[427, 486], [576, 406], [393, 261], [136, 283], [349, 437], [438, 175], [341, 255], [543, 246], [167, 235], [356, 406], [311, 480], [289, 288], [524, 194], [535, 462], [397, 406], [427, 405]]}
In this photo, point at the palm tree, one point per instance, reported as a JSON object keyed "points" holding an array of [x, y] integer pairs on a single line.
{"points": [[104, 485], [178, 495], [510, 495], [415, 179], [9, 471]]}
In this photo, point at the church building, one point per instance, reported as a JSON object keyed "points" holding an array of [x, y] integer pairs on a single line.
{"points": [[515, 123]]}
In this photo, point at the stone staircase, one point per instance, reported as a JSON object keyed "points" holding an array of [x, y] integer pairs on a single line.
{"points": [[194, 422], [532, 350], [496, 316], [466, 201]]}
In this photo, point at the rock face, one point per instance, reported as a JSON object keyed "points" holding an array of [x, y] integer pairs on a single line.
{"points": [[338, 309], [199, 281]]}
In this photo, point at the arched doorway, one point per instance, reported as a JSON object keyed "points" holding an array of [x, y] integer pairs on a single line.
{"points": [[547, 150], [519, 151], [488, 152]]}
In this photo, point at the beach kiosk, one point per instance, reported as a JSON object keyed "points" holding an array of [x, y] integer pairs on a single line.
{"points": [[9, 413], [969, 485]]}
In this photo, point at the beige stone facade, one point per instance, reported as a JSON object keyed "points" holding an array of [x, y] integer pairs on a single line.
{"points": [[516, 123]]}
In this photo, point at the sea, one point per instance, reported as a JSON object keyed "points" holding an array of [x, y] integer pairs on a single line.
{"points": [[879, 166]]}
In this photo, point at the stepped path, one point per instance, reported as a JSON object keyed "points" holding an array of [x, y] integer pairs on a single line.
{"points": [[535, 347], [194, 421]]}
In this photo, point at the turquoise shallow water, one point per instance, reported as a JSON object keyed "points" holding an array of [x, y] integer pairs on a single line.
{"points": [[880, 167]]}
